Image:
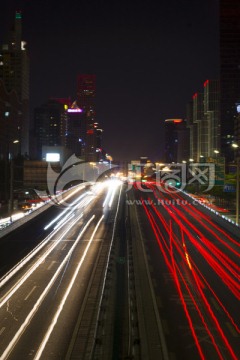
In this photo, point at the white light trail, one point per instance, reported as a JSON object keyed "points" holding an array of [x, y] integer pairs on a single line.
{"points": [[17, 285], [61, 305], [68, 209], [112, 185], [21, 263], [26, 322]]}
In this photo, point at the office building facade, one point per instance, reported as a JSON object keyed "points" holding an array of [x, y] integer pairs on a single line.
{"points": [[176, 140], [50, 125], [14, 72], [86, 100], [229, 72], [204, 122]]}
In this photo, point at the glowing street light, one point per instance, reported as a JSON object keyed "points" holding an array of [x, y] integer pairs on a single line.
{"points": [[235, 146]]}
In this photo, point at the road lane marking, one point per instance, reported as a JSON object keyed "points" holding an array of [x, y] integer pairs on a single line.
{"points": [[215, 304], [95, 240], [30, 293], [36, 306], [29, 272], [51, 265], [62, 303], [2, 330], [28, 257], [232, 330], [64, 246]]}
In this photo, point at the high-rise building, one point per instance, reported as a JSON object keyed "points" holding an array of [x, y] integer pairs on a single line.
{"points": [[229, 70], [86, 97], [50, 125], [176, 140], [192, 131], [204, 122], [198, 115], [94, 143], [10, 121], [210, 126], [60, 122], [14, 72], [86, 92], [76, 130]]}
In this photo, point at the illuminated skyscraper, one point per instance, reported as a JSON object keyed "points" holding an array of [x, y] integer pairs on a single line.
{"points": [[76, 130], [176, 140], [86, 96], [229, 69], [86, 92], [204, 122], [210, 126], [14, 72], [50, 123]]}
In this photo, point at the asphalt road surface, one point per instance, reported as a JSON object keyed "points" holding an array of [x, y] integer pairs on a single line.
{"points": [[143, 273]]}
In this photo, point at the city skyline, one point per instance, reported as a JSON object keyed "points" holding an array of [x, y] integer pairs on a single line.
{"points": [[148, 62]]}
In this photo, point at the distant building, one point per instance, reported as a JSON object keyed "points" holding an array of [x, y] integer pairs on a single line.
{"points": [[86, 93], [60, 122], [204, 122], [229, 71], [10, 122], [76, 128], [50, 125], [210, 141], [35, 174], [176, 140], [237, 130], [14, 72], [192, 131], [198, 115], [86, 100]]}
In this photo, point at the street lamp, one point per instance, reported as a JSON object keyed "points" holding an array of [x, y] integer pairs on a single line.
{"points": [[216, 152], [11, 179], [235, 146]]}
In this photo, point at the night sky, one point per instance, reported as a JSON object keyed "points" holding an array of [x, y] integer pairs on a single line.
{"points": [[149, 57]]}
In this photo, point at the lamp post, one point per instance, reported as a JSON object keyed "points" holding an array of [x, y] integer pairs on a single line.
{"points": [[235, 146], [237, 192], [11, 179]]}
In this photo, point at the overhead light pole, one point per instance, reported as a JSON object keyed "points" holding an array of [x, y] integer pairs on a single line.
{"points": [[235, 146], [237, 192], [11, 179]]}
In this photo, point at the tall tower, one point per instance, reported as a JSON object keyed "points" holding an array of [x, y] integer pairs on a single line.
{"points": [[86, 92], [210, 125], [14, 72], [229, 69], [176, 140], [86, 95], [198, 115], [50, 125], [204, 122]]}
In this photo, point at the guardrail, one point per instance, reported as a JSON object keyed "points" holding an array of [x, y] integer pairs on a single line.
{"points": [[28, 216], [14, 224]]}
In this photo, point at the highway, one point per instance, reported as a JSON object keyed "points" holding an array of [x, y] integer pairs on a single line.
{"points": [[121, 272], [43, 294], [194, 260]]}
